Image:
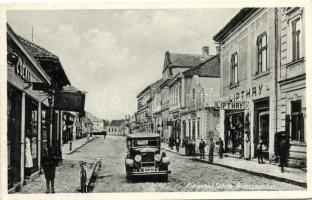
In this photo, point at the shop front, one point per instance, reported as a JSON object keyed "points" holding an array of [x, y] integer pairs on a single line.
{"points": [[24, 113], [247, 119]]}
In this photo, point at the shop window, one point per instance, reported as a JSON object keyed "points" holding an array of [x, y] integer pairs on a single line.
{"points": [[262, 53], [297, 122], [234, 69], [296, 39]]}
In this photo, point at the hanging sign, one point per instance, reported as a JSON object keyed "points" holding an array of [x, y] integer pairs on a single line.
{"points": [[231, 105]]}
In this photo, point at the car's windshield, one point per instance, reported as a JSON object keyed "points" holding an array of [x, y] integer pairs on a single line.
{"points": [[144, 143]]}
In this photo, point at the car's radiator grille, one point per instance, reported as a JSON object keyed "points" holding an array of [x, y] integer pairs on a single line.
{"points": [[148, 157]]}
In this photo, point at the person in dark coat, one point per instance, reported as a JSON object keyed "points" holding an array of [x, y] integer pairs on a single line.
{"points": [[171, 143], [283, 151], [221, 150], [201, 147], [49, 163], [211, 150], [177, 143]]}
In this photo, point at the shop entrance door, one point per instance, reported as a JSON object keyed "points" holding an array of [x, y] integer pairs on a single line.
{"points": [[261, 125], [264, 124]]}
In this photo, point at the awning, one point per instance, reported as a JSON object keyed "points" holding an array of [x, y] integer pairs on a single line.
{"points": [[70, 99]]}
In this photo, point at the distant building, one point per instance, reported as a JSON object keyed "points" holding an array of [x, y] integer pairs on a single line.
{"points": [[115, 127]]}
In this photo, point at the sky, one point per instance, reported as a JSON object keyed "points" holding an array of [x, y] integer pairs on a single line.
{"points": [[114, 54]]}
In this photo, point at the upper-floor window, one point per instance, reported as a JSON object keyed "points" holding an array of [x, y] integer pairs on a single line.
{"points": [[234, 69], [262, 53], [193, 94], [296, 39]]}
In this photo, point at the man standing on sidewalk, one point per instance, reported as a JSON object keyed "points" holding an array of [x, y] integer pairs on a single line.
{"points": [[201, 147], [178, 144], [220, 147], [211, 150], [283, 151]]}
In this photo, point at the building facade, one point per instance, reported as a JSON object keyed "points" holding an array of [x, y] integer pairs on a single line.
{"points": [[291, 106], [33, 122], [201, 88], [248, 81]]}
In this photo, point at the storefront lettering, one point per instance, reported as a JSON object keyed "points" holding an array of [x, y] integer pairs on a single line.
{"points": [[232, 105], [21, 69], [248, 93]]}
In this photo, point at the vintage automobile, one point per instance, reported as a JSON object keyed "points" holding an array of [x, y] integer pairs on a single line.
{"points": [[144, 157]]}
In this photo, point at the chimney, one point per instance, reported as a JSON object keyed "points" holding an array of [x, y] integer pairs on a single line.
{"points": [[205, 51]]}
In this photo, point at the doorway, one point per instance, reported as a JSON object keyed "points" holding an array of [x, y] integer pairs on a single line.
{"points": [[262, 126]]}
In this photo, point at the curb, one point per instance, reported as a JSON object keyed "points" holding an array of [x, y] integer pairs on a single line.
{"points": [[286, 180], [196, 154], [93, 170], [73, 151]]}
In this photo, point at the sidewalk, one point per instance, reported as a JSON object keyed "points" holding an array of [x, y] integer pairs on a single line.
{"points": [[67, 175], [76, 144], [291, 175]]}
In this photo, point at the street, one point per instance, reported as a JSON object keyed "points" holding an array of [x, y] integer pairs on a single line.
{"points": [[186, 175]]}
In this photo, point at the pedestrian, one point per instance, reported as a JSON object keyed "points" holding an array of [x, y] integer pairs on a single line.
{"points": [[171, 143], [178, 142], [28, 156], [211, 150], [83, 177], [104, 133], [260, 152], [201, 147], [221, 149], [193, 146], [49, 163], [283, 151]]}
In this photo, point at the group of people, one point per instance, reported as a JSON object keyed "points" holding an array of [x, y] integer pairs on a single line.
{"points": [[174, 142], [202, 145], [281, 150]]}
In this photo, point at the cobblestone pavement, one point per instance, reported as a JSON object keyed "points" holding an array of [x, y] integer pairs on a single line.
{"points": [[67, 174], [186, 175], [66, 179]]}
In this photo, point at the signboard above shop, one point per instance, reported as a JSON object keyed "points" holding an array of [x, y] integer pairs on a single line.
{"points": [[232, 105]]}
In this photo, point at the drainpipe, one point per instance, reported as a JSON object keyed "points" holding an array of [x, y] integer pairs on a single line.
{"points": [[277, 61]]}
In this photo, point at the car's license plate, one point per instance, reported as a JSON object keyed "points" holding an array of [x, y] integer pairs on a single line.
{"points": [[149, 169]]}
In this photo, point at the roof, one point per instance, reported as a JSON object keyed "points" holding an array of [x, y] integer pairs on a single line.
{"points": [[185, 60], [70, 88], [143, 135], [154, 84], [209, 68], [41, 55], [12, 35], [36, 50], [118, 122], [238, 19]]}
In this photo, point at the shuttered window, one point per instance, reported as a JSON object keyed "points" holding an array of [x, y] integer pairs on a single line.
{"points": [[234, 69]]}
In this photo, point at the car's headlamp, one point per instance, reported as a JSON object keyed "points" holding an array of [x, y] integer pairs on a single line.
{"points": [[138, 158]]}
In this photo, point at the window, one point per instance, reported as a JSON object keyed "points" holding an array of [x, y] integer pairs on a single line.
{"points": [[234, 69], [296, 39], [262, 53], [193, 129], [190, 125], [198, 127], [297, 122], [193, 94]]}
